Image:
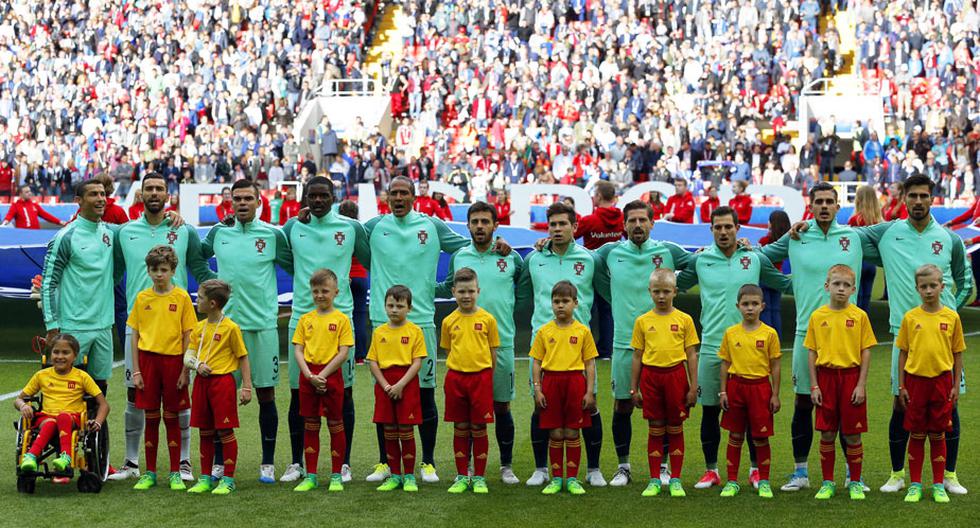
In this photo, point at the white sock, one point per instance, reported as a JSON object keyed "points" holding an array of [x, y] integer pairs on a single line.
{"points": [[184, 419], [801, 465], [135, 422], [626, 466]]}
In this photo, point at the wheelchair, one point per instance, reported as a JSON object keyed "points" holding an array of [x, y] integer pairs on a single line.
{"points": [[90, 450]]}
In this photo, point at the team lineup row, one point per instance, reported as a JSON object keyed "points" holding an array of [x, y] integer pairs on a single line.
{"points": [[247, 250]]}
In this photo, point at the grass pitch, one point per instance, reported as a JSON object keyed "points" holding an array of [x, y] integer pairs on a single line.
{"points": [[256, 504]]}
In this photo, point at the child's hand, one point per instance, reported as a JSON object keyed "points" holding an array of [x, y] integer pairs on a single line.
{"points": [[94, 425], [954, 394], [183, 379], [539, 399], [816, 396], [858, 396], [692, 397], [774, 404], [203, 369], [396, 391], [244, 395], [637, 399], [319, 382], [138, 380], [723, 401], [588, 401], [27, 411], [903, 398]]}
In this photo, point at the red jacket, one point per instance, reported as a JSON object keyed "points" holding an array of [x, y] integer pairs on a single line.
{"points": [[503, 212], [742, 204], [969, 216], [383, 208], [894, 210], [289, 209], [25, 213], [114, 214], [224, 209], [265, 214], [357, 270], [7, 180], [707, 207], [658, 210], [136, 210], [443, 213], [682, 207], [426, 205], [605, 224]]}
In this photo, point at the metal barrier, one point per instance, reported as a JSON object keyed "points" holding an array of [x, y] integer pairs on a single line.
{"points": [[366, 86]]}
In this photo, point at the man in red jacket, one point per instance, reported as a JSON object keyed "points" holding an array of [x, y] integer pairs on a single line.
{"points": [[709, 204], [24, 212], [741, 202], [424, 203], [7, 179], [290, 206], [605, 224], [680, 206]]}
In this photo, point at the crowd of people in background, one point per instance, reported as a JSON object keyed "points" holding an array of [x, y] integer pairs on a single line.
{"points": [[489, 93]]}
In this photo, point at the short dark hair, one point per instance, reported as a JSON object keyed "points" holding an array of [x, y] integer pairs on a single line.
{"points": [[916, 180], [558, 208], [464, 275], [322, 276], [564, 288], [348, 208], [216, 290], [162, 255], [724, 211], [638, 204], [399, 292], [245, 183], [481, 207], [152, 175], [605, 190], [67, 338], [81, 186], [750, 289], [820, 187]]}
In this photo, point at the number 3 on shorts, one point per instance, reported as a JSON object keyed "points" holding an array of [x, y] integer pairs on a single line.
{"points": [[275, 365]]}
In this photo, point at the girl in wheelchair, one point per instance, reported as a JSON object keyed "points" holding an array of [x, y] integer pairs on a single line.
{"points": [[62, 387]]}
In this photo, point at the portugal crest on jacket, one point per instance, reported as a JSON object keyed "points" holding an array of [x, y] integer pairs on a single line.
{"points": [[937, 247], [423, 236], [260, 245], [171, 237], [657, 261], [339, 237], [845, 243]]}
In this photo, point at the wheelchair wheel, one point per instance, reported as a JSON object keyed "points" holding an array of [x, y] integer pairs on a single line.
{"points": [[97, 454], [89, 483], [25, 484]]}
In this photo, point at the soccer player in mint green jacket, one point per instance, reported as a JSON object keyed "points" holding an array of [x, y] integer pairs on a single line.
{"points": [[76, 289], [625, 264], [247, 252], [721, 270], [561, 260], [405, 248], [323, 239], [133, 241], [498, 275], [823, 245]]}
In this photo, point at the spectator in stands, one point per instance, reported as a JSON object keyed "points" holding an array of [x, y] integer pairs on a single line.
{"points": [[656, 202], [137, 207], [502, 205], [224, 209], [424, 203], [290, 205], [680, 206], [8, 180], [709, 204], [894, 208], [25, 212], [442, 210]]}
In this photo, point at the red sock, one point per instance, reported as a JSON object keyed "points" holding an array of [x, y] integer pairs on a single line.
{"points": [[151, 437], [573, 456], [556, 454], [734, 455], [66, 424], [675, 439], [311, 443], [173, 439], [655, 446], [229, 448], [937, 452], [338, 446], [827, 459], [481, 450], [408, 451], [44, 433], [917, 452], [393, 450], [855, 455], [207, 450], [763, 453], [461, 449]]}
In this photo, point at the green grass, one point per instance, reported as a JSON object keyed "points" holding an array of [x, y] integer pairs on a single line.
{"points": [[255, 504]]}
